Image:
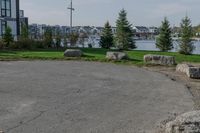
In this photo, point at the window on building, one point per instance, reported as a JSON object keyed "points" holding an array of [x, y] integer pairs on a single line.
{"points": [[3, 27], [21, 13], [6, 8]]}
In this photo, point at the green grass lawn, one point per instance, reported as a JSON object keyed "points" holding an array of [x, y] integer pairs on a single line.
{"points": [[136, 57]]}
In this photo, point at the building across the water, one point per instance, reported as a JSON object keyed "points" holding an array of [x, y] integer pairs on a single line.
{"points": [[143, 33], [12, 16]]}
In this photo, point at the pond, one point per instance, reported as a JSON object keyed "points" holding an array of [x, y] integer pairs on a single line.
{"points": [[149, 45]]}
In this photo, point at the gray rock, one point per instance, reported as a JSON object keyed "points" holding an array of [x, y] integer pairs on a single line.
{"points": [[194, 72], [116, 55], [73, 53], [190, 70], [159, 59], [183, 68], [185, 123]]}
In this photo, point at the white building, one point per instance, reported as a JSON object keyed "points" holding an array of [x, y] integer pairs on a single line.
{"points": [[153, 30], [11, 16], [141, 29]]}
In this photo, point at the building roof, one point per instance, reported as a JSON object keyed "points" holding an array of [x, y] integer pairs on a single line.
{"points": [[142, 28]]}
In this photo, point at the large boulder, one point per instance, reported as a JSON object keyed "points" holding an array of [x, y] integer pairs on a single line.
{"points": [[116, 56], [194, 72], [183, 68], [73, 53], [159, 60], [185, 123], [190, 70]]}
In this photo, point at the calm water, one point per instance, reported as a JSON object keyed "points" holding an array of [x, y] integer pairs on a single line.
{"points": [[149, 45]]}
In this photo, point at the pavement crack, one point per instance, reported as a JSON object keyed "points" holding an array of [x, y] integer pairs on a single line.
{"points": [[21, 123]]}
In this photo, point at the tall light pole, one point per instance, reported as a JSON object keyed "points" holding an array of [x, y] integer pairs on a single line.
{"points": [[71, 11]]}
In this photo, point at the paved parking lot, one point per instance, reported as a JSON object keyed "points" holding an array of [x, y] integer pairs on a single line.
{"points": [[85, 97]]}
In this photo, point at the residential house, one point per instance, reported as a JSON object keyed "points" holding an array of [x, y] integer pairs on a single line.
{"points": [[65, 30], [114, 30], [142, 32], [141, 29], [153, 30]]}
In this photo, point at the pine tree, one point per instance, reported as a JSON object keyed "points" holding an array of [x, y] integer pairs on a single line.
{"points": [[124, 32], [8, 37], [186, 45], [106, 40], [164, 41]]}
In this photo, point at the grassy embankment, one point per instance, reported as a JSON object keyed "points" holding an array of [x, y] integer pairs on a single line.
{"points": [[136, 57]]}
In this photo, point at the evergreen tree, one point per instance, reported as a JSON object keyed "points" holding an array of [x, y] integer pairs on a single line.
{"points": [[48, 37], [124, 36], [186, 45], [106, 40], [8, 37], [164, 41], [24, 31]]}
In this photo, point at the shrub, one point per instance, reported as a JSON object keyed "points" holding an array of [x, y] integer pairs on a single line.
{"points": [[24, 43], [14, 45], [39, 44], [89, 45], [48, 37], [2, 44], [8, 37], [27, 44]]}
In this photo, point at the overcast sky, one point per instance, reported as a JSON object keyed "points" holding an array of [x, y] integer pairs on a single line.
{"points": [[96, 12]]}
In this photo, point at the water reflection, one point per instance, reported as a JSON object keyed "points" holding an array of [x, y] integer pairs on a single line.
{"points": [[149, 45]]}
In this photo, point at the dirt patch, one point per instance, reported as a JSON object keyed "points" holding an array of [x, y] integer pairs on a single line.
{"points": [[193, 85]]}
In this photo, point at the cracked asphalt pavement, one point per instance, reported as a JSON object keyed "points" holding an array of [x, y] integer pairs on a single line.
{"points": [[86, 97]]}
